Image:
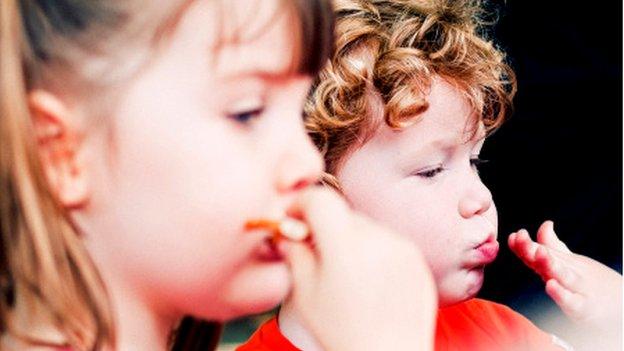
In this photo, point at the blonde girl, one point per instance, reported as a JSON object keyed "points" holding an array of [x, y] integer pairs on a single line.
{"points": [[137, 139]]}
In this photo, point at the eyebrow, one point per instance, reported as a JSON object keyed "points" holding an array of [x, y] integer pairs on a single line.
{"points": [[447, 145], [264, 75], [444, 145], [266, 70]]}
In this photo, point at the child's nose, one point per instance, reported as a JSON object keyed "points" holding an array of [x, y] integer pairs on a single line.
{"points": [[476, 200], [300, 166]]}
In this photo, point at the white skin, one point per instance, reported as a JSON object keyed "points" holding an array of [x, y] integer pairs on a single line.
{"points": [[587, 291], [198, 145], [422, 182]]}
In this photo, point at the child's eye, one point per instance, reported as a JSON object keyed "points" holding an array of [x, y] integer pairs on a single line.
{"points": [[430, 173], [476, 162], [245, 117]]}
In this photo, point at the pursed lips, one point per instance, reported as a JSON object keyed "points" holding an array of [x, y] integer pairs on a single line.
{"points": [[487, 250]]}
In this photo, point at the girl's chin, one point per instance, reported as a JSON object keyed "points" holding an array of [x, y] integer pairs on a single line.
{"points": [[259, 289]]}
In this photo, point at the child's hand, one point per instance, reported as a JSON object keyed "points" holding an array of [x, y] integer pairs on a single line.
{"points": [[359, 287], [586, 290]]}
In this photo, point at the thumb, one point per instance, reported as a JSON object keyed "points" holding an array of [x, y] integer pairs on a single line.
{"points": [[302, 261]]}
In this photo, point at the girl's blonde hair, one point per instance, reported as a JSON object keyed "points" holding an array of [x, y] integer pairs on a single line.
{"points": [[43, 263], [387, 53]]}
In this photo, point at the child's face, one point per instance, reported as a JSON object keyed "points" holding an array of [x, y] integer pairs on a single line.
{"points": [[198, 146], [421, 182]]}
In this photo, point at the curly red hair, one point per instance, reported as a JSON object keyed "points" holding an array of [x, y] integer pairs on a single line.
{"points": [[387, 53]]}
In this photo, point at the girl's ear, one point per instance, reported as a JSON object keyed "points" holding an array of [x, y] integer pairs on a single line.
{"points": [[59, 134]]}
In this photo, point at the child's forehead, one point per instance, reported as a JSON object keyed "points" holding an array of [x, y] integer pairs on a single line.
{"points": [[424, 139], [255, 40], [449, 121]]}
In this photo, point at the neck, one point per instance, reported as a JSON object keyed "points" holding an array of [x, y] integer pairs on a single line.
{"points": [[142, 318], [138, 326], [139, 323], [292, 327]]}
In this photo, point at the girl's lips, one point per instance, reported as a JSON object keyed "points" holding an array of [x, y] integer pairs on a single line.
{"points": [[267, 251]]}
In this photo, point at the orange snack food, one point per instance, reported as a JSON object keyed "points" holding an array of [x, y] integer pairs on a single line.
{"points": [[287, 228]]}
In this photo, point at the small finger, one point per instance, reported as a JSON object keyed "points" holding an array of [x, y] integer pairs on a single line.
{"points": [[514, 246], [302, 261], [545, 263], [553, 267], [570, 302], [546, 235], [328, 216], [525, 247], [511, 240]]}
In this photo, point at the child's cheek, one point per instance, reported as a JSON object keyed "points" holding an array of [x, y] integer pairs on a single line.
{"points": [[492, 216]]}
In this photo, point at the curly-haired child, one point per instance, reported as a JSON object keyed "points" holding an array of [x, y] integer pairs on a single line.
{"points": [[401, 113]]}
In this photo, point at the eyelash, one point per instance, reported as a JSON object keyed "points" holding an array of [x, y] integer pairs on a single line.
{"points": [[245, 117], [430, 173], [476, 162]]}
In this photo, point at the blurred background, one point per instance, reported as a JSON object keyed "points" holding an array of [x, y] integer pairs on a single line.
{"points": [[560, 156]]}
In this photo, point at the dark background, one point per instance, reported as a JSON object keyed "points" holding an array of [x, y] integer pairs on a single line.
{"points": [[560, 155]]}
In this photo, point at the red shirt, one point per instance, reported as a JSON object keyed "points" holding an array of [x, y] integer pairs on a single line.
{"points": [[472, 325]]}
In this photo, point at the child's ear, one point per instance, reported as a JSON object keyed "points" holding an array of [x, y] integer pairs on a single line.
{"points": [[58, 136]]}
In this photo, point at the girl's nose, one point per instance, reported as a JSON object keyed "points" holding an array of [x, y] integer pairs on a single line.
{"points": [[300, 166]]}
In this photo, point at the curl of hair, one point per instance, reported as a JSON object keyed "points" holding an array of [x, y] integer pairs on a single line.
{"points": [[393, 50]]}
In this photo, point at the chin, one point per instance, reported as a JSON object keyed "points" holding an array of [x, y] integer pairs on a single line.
{"points": [[256, 305], [263, 306], [454, 292], [241, 306], [258, 292], [475, 282]]}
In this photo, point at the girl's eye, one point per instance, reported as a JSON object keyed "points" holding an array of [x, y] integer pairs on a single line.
{"points": [[245, 117], [430, 173], [476, 162]]}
